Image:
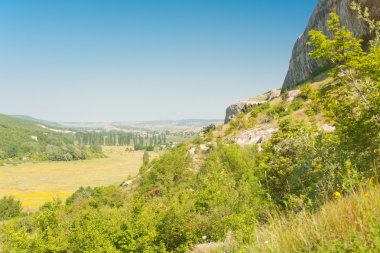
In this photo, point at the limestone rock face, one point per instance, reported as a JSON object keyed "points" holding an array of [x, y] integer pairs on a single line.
{"points": [[255, 136], [237, 108], [301, 66], [273, 94], [293, 94]]}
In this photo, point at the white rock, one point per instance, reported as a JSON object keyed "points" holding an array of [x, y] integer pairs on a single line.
{"points": [[255, 136], [126, 183], [273, 94], [327, 128], [191, 151], [237, 108], [293, 94], [203, 147]]}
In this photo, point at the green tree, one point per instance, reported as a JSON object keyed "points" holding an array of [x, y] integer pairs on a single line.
{"points": [[352, 102], [146, 158], [9, 207]]}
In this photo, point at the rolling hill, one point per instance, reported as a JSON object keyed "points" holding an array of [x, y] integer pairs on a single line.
{"points": [[28, 140]]}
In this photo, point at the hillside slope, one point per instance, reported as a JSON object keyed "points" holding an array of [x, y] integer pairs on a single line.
{"points": [[28, 140], [349, 224]]}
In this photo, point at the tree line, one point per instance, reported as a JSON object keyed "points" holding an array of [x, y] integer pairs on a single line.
{"points": [[117, 138]]}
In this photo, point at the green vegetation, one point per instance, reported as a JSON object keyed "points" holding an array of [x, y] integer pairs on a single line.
{"points": [[141, 140], [344, 225], [208, 129], [9, 208], [146, 158], [118, 138], [303, 190], [26, 140]]}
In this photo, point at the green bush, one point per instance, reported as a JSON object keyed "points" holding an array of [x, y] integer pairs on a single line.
{"points": [[295, 105], [9, 207]]}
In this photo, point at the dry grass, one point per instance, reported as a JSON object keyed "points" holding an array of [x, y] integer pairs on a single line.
{"points": [[349, 222], [36, 183]]}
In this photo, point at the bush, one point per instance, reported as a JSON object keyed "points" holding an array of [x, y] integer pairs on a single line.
{"points": [[296, 105], [306, 91], [208, 129], [9, 207]]}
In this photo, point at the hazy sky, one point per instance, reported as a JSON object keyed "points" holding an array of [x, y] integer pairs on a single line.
{"points": [[113, 60]]}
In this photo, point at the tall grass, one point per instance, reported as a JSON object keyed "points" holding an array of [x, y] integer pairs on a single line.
{"points": [[350, 224]]}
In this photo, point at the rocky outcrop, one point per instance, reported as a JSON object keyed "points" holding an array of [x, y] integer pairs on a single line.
{"points": [[301, 66], [255, 136], [293, 94], [273, 94], [237, 108], [327, 128]]}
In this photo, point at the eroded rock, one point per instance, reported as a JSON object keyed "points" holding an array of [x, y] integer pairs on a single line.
{"points": [[273, 94], [237, 108], [327, 128], [293, 94], [301, 66], [255, 136]]}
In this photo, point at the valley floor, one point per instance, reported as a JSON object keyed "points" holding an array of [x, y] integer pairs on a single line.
{"points": [[36, 183]]}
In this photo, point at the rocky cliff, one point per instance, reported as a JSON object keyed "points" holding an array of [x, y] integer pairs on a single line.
{"points": [[301, 67]]}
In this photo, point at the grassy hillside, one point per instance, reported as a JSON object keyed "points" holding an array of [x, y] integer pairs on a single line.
{"points": [[349, 224], [23, 139], [12, 121]]}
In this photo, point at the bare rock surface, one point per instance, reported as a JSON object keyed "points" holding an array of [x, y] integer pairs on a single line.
{"points": [[255, 136], [327, 128], [191, 151], [274, 94], [293, 94], [237, 108], [301, 66]]}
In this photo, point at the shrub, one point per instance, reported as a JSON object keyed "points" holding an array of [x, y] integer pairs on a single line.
{"points": [[208, 129], [306, 91], [296, 105], [9, 207]]}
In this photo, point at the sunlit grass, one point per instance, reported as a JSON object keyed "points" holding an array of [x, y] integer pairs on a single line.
{"points": [[36, 183], [350, 224]]}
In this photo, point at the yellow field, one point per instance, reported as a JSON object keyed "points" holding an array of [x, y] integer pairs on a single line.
{"points": [[36, 183]]}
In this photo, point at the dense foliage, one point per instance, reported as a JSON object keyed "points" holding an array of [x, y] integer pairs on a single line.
{"points": [[9, 208], [352, 102], [119, 138]]}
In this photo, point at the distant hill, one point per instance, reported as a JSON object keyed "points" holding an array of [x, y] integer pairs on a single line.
{"points": [[22, 138], [45, 122], [15, 121]]}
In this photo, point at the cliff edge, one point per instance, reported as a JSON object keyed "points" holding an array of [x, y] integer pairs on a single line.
{"points": [[301, 66]]}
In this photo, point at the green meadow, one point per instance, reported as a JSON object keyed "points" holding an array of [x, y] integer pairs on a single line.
{"points": [[36, 183]]}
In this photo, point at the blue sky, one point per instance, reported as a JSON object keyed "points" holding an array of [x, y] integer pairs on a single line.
{"points": [[113, 60]]}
